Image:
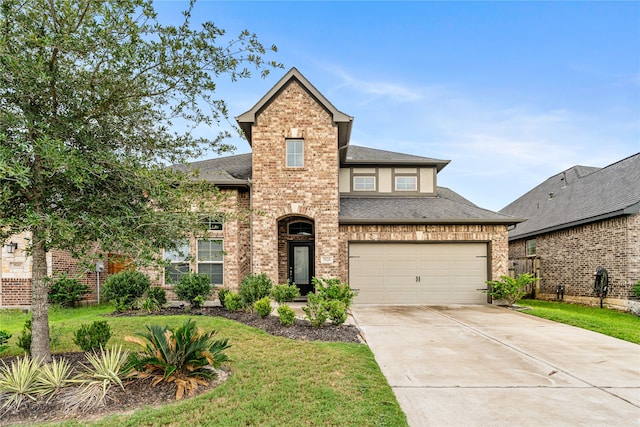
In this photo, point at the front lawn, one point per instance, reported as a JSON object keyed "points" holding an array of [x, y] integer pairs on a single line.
{"points": [[614, 323], [274, 381]]}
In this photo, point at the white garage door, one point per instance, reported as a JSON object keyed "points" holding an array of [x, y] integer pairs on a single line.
{"points": [[407, 273]]}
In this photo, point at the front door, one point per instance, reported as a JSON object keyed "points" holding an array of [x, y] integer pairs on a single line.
{"points": [[301, 265]]}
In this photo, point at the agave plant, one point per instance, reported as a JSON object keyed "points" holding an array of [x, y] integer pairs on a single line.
{"points": [[185, 356], [18, 383]]}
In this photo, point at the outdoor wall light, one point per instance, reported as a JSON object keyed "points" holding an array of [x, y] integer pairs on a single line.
{"points": [[11, 247]]}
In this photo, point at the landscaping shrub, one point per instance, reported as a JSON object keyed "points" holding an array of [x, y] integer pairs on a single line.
{"points": [[287, 315], [158, 294], [24, 340], [53, 377], [510, 289], [191, 286], [125, 288], [636, 289], [316, 310], [94, 336], [66, 291], [233, 301], [333, 289], [4, 338], [150, 304], [181, 355], [222, 294], [336, 311], [284, 293], [255, 287], [263, 306]]}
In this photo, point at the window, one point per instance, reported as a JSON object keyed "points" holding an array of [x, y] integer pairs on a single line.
{"points": [[211, 224], [364, 183], [295, 153], [406, 183], [531, 247], [209, 258], [301, 229], [179, 263]]}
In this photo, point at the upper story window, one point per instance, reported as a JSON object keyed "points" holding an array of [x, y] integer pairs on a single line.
{"points": [[295, 153], [301, 229], [406, 183], [364, 183], [531, 247]]}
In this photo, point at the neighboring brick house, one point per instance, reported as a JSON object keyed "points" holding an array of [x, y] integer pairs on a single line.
{"points": [[322, 207], [579, 220]]}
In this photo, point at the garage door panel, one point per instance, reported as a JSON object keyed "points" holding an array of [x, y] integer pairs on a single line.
{"points": [[449, 273]]}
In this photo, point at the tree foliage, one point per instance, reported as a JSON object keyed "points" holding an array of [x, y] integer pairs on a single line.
{"points": [[96, 98]]}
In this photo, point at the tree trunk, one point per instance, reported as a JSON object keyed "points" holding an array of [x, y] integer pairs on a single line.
{"points": [[40, 341]]}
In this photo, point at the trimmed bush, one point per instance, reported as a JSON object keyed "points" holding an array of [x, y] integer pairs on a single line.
{"points": [[4, 338], [337, 311], [287, 315], [510, 289], [222, 293], [334, 289], [263, 306], [233, 301], [24, 340], [316, 310], [125, 288], [66, 291], [284, 293], [91, 337], [158, 294], [255, 287], [191, 286]]}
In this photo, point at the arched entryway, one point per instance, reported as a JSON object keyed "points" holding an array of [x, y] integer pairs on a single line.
{"points": [[296, 252]]}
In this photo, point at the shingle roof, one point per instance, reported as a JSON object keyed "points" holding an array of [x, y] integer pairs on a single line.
{"points": [[578, 195], [447, 208], [230, 170], [357, 155]]}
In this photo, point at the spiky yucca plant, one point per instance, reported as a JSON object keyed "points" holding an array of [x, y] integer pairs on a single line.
{"points": [[18, 383], [53, 377], [184, 355]]}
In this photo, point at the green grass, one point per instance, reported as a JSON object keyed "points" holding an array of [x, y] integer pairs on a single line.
{"points": [[274, 381], [614, 323]]}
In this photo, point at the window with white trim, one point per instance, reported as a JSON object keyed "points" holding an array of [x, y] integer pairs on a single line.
{"points": [[531, 247], [178, 263], [211, 224], [210, 260], [295, 153], [364, 183], [406, 183]]}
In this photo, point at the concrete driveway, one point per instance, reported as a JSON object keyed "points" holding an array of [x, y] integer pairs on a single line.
{"points": [[482, 365]]}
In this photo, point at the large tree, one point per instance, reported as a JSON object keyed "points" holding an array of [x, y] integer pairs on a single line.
{"points": [[91, 95]]}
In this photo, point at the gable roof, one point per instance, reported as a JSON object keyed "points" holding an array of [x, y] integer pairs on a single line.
{"points": [[447, 208], [356, 155], [577, 196], [342, 120]]}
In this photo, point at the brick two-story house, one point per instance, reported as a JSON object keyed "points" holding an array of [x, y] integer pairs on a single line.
{"points": [[322, 207]]}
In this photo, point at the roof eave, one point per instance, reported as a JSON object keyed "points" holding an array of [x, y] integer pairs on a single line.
{"points": [[443, 221], [439, 164], [629, 210]]}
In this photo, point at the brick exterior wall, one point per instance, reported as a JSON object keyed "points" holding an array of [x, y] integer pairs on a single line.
{"points": [[495, 235], [279, 192], [571, 256]]}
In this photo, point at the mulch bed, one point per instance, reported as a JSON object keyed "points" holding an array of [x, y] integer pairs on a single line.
{"points": [[138, 393]]}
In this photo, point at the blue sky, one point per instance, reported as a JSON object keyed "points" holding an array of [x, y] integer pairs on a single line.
{"points": [[511, 92]]}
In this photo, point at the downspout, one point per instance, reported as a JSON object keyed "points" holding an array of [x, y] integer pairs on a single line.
{"points": [[250, 183]]}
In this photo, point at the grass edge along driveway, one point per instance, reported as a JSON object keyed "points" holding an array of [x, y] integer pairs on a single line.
{"points": [[614, 323], [274, 381]]}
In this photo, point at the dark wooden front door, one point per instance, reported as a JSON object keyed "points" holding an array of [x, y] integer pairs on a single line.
{"points": [[301, 265]]}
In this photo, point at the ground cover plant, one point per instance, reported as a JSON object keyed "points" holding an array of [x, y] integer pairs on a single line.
{"points": [[273, 381], [610, 322]]}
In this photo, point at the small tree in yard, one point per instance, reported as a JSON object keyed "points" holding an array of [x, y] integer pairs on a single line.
{"points": [[88, 92], [510, 289]]}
